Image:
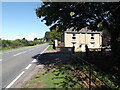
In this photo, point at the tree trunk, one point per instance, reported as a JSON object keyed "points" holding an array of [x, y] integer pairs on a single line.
{"points": [[114, 45]]}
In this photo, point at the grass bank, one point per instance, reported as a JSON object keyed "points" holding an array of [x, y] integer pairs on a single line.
{"points": [[12, 49], [53, 78]]}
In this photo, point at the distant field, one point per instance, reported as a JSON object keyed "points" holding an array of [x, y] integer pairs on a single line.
{"points": [[11, 49], [8, 45]]}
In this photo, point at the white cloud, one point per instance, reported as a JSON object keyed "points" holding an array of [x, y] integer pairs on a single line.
{"points": [[31, 36], [17, 37]]}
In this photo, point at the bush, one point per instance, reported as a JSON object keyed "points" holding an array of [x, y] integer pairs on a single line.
{"points": [[8, 44]]}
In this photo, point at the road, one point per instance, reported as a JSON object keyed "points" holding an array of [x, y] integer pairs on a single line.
{"points": [[14, 62]]}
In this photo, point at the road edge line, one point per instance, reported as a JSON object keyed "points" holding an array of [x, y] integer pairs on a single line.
{"points": [[44, 49], [23, 71], [28, 66], [34, 60], [15, 79]]}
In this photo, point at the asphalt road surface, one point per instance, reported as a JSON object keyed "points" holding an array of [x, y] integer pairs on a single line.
{"points": [[14, 62]]}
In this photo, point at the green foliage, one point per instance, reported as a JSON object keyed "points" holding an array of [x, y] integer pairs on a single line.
{"points": [[35, 39], [58, 77], [54, 34], [50, 47], [79, 14], [47, 36], [109, 79], [9, 44], [95, 16], [100, 26]]}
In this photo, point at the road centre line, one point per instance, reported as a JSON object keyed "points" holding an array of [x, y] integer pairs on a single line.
{"points": [[25, 68], [28, 66], [20, 53], [15, 79]]}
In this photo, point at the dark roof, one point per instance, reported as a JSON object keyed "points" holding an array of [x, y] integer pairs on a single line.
{"points": [[83, 30]]}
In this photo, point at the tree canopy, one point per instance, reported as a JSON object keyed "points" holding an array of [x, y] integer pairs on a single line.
{"points": [[53, 35], [47, 36], [94, 15], [79, 14]]}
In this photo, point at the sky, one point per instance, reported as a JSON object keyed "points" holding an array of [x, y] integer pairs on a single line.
{"points": [[19, 20]]}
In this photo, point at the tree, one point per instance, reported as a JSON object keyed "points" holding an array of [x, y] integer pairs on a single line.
{"points": [[47, 36], [25, 42], [54, 34], [23, 39], [35, 39], [80, 14]]}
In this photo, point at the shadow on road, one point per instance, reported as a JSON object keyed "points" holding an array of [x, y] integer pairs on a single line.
{"points": [[56, 58]]}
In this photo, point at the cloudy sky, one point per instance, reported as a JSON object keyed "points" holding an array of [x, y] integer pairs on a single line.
{"points": [[19, 20]]}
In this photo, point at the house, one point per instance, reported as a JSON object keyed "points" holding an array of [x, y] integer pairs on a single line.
{"points": [[80, 38]]}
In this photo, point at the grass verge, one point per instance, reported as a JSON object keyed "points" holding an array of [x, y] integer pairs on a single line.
{"points": [[50, 47], [53, 78], [11, 49]]}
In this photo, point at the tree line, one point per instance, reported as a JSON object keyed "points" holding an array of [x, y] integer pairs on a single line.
{"points": [[9, 44]]}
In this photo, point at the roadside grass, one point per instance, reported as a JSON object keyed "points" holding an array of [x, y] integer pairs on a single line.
{"points": [[50, 47], [12, 49], [53, 78], [67, 76], [63, 76]]}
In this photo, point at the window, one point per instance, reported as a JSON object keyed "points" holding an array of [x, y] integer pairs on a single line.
{"points": [[92, 34], [92, 38], [92, 44], [73, 37], [73, 34]]}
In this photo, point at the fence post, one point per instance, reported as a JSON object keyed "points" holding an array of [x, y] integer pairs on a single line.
{"points": [[73, 49], [90, 78]]}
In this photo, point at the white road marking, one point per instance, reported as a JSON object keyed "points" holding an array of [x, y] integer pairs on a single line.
{"points": [[20, 53], [15, 79], [44, 49], [34, 61], [28, 66], [39, 55], [25, 68], [1, 53], [0, 59]]}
